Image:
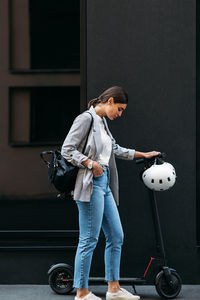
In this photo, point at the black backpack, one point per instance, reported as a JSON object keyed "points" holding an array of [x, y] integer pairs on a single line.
{"points": [[61, 173]]}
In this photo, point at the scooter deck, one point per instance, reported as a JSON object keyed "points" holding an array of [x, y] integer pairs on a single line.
{"points": [[125, 281]]}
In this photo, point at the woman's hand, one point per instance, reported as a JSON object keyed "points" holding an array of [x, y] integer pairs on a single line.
{"points": [[151, 154], [97, 169], [146, 154]]}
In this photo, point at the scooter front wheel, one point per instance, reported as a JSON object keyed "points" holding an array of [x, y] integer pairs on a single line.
{"points": [[61, 280], [166, 290]]}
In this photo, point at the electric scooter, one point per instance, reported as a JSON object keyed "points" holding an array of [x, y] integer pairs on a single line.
{"points": [[167, 281]]}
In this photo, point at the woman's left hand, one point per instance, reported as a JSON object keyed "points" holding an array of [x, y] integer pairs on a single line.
{"points": [[150, 154]]}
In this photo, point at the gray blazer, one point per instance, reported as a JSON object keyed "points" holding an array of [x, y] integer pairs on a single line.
{"points": [[72, 151]]}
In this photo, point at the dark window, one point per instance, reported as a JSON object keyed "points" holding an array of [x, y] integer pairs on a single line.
{"points": [[49, 216], [53, 110], [55, 34]]}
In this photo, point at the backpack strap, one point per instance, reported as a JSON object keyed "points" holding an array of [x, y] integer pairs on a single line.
{"points": [[88, 132], [42, 156]]}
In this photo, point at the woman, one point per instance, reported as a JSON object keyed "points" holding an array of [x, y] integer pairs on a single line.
{"points": [[96, 190]]}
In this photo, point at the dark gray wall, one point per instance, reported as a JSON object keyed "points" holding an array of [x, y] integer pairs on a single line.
{"points": [[148, 47]]}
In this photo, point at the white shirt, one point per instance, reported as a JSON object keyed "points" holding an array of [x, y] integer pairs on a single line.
{"points": [[107, 144]]}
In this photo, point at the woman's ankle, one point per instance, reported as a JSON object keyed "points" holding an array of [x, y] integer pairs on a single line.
{"points": [[113, 286], [81, 293]]}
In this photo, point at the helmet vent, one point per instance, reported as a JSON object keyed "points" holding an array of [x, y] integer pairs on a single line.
{"points": [[152, 180], [169, 179], [160, 181]]}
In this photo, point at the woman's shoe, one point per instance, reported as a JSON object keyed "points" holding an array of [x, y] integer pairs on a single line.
{"points": [[89, 296], [122, 294]]}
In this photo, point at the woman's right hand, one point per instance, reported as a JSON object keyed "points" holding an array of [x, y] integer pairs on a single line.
{"points": [[97, 169]]}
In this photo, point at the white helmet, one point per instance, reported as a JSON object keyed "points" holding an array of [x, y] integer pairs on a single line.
{"points": [[159, 177]]}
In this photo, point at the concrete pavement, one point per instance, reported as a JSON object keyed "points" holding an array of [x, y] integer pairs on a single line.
{"points": [[44, 292]]}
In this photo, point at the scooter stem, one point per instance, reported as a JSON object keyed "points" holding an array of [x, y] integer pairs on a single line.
{"points": [[158, 232]]}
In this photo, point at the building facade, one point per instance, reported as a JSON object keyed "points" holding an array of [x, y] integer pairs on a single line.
{"points": [[55, 56]]}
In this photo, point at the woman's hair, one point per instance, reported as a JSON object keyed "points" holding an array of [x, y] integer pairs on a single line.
{"points": [[118, 93]]}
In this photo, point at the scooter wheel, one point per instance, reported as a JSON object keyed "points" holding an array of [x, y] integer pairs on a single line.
{"points": [[61, 280], [164, 289]]}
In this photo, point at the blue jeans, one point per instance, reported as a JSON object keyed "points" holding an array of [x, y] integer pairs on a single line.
{"points": [[101, 211]]}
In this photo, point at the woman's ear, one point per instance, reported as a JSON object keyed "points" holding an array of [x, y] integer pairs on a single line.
{"points": [[111, 100]]}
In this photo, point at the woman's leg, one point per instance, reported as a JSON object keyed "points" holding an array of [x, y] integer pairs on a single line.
{"points": [[114, 235], [114, 240], [90, 221]]}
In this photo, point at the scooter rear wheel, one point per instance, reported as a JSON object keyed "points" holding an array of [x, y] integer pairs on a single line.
{"points": [[60, 280], [164, 289]]}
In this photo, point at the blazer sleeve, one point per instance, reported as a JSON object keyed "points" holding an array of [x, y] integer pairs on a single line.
{"points": [[75, 136], [121, 152]]}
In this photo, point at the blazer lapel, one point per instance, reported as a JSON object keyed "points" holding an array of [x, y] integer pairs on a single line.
{"points": [[96, 132]]}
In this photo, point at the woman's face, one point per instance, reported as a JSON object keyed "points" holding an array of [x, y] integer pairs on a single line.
{"points": [[114, 110]]}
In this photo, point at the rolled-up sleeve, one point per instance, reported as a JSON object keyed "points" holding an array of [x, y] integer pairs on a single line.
{"points": [[121, 152], [75, 136]]}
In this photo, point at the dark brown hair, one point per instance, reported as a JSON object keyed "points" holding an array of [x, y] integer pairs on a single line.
{"points": [[118, 93]]}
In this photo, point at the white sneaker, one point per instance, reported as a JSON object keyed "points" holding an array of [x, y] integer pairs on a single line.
{"points": [[89, 296], [122, 294]]}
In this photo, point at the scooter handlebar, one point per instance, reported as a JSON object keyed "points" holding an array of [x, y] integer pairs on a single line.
{"points": [[144, 160]]}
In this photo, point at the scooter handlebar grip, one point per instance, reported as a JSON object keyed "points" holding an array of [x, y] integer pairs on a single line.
{"points": [[163, 155], [141, 160]]}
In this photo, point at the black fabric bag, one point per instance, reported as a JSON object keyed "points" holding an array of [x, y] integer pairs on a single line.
{"points": [[61, 173]]}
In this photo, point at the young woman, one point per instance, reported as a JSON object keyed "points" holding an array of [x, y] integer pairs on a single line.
{"points": [[96, 190]]}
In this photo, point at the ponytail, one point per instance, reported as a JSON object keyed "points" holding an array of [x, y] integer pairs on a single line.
{"points": [[93, 102]]}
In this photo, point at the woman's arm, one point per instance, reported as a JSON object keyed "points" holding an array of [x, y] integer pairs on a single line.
{"points": [[129, 154], [146, 154], [121, 152], [75, 136]]}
